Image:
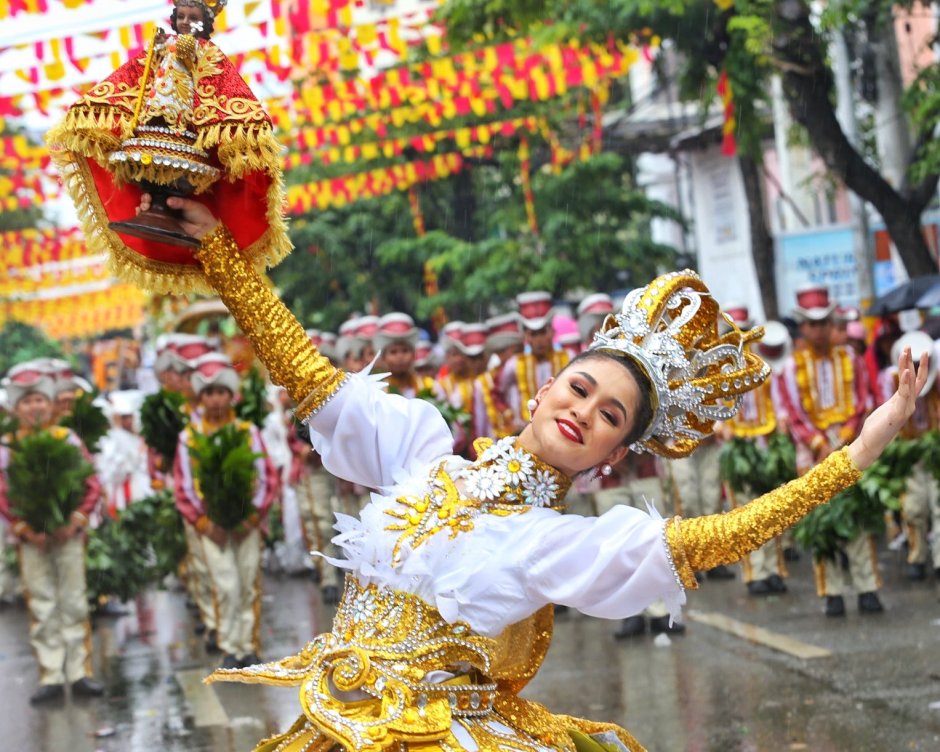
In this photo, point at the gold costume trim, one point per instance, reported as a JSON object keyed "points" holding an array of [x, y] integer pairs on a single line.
{"points": [[362, 686], [702, 543], [279, 340], [843, 374]]}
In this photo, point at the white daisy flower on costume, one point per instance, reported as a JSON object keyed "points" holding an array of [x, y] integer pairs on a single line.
{"points": [[540, 490], [518, 466], [485, 483]]}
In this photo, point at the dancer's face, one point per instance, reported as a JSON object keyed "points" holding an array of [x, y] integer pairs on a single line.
{"points": [[583, 416]]}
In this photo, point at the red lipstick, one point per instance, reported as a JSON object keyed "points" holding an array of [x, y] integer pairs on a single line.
{"points": [[569, 430]]}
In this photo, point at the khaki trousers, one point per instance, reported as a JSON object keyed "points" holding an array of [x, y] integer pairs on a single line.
{"points": [[766, 560], [696, 482], [921, 506], [235, 569], [59, 631], [198, 582], [635, 493], [314, 502], [863, 569]]}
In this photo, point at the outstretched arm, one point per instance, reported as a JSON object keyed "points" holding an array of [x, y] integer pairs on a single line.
{"points": [[705, 542], [278, 338]]}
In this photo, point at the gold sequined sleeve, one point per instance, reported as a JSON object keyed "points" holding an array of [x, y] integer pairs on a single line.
{"points": [[278, 338], [702, 543]]}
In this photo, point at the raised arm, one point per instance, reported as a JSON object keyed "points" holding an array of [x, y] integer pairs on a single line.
{"points": [[705, 542], [365, 435]]}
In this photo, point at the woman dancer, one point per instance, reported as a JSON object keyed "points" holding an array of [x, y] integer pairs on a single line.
{"points": [[454, 565]]}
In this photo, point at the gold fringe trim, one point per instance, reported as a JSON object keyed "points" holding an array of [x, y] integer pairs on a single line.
{"points": [[148, 274], [133, 171], [90, 131]]}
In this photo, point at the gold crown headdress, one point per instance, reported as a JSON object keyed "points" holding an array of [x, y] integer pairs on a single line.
{"points": [[212, 7], [670, 328]]}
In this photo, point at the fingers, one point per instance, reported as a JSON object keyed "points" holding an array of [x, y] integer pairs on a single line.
{"points": [[921, 374]]}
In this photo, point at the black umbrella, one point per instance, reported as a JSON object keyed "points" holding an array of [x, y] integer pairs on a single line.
{"points": [[930, 298], [905, 296]]}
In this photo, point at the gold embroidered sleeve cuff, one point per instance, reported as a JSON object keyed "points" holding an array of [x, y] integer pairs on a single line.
{"points": [[702, 543], [278, 338]]}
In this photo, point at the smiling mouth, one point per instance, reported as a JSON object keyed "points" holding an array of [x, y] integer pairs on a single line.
{"points": [[570, 431]]}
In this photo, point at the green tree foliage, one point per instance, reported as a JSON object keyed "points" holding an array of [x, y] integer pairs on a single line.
{"points": [[20, 342], [751, 40], [594, 236]]}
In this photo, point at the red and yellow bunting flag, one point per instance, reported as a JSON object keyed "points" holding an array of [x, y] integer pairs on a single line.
{"points": [[424, 143], [86, 314], [729, 144], [340, 191]]}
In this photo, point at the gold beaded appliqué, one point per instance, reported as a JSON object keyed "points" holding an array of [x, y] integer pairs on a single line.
{"points": [[505, 480]]}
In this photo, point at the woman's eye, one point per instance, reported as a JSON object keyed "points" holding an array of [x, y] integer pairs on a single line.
{"points": [[609, 417], [578, 389]]}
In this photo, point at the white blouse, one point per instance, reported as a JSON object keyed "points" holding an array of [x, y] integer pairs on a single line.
{"points": [[506, 567]]}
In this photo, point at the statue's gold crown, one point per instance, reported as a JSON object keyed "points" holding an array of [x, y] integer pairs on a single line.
{"points": [[671, 329]]}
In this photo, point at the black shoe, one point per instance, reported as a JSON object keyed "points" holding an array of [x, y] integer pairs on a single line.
{"points": [[835, 605], [721, 572], [212, 641], [47, 693], [200, 628], [791, 554], [660, 625], [776, 584], [632, 626], [331, 595], [87, 687], [699, 577], [758, 587], [559, 609], [230, 661], [917, 572], [869, 603], [251, 659]]}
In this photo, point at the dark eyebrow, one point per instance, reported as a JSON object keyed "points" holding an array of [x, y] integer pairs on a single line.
{"points": [[617, 403]]}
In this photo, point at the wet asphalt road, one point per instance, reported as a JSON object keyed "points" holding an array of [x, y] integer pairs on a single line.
{"points": [[874, 685]]}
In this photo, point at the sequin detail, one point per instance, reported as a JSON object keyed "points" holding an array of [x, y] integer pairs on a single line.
{"points": [[278, 338], [702, 543]]}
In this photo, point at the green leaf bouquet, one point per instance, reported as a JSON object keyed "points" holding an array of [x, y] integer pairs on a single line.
{"points": [[225, 474], [46, 479], [162, 418]]}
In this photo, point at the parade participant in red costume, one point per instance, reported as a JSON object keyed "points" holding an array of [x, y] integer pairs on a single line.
{"points": [[177, 120]]}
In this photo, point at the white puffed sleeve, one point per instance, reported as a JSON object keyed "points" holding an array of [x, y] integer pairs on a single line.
{"points": [[376, 439], [611, 566]]}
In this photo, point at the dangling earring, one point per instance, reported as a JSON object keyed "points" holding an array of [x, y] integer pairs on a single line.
{"points": [[600, 470], [531, 405]]}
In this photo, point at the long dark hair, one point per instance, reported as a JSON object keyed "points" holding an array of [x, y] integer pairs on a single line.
{"points": [[644, 408], [208, 22]]}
